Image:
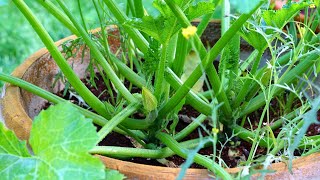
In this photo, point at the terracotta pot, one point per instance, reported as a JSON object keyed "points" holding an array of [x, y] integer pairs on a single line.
{"points": [[19, 107]]}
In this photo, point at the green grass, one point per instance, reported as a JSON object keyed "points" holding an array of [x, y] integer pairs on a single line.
{"points": [[18, 40]]}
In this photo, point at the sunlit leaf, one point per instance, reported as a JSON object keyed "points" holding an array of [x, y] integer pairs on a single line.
{"points": [[159, 28], [60, 139], [279, 18], [199, 9], [114, 175], [255, 38]]}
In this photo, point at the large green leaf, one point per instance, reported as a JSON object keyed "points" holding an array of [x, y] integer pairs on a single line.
{"points": [[114, 175], [255, 38], [280, 18], [160, 28], [60, 138], [199, 9], [10, 144]]}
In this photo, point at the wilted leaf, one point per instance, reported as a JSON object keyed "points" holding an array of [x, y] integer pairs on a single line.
{"points": [[191, 62]]}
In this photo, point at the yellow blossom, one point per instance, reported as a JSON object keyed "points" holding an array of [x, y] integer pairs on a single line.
{"points": [[312, 6], [215, 130], [189, 31]]}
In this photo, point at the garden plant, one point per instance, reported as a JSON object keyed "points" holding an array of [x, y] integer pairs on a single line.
{"points": [[268, 99]]}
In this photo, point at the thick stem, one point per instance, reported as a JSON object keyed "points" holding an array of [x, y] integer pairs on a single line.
{"points": [[143, 153]]}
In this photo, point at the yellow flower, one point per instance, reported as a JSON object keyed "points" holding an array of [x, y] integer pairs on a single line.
{"points": [[215, 130], [312, 6], [189, 31]]}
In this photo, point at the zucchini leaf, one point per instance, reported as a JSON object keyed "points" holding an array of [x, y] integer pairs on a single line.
{"points": [[255, 38], [60, 139], [279, 18], [199, 9]]}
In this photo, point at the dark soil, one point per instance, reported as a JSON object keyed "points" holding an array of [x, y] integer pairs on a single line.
{"points": [[239, 148]]}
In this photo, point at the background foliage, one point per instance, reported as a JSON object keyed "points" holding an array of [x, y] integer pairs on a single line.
{"points": [[17, 38]]}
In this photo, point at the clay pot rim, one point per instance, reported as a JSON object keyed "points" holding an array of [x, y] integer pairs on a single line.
{"points": [[13, 94]]}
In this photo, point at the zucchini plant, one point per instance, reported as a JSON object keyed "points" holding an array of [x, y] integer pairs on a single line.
{"points": [[162, 55]]}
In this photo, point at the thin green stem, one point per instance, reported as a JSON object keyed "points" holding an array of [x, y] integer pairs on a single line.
{"points": [[192, 98], [206, 61], [225, 16], [81, 16], [117, 119], [99, 57], [190, 128], [288, 78], [136, 36], [199, 159], [143, 153], [244, 90], [56, 12], [159, 78], [181, 53], [138, 6]]}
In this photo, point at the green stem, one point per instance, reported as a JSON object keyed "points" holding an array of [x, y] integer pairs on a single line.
{"points": [[99, 57], [206, 61], [181, 53], [199, 159], [190, 128], [116, 120], [249, 136], [139, 8], [225, 16], [128, 73], [288, 78], [81, 89], [97, 119], [136, 36], [192, 98], [81, 16], [160, 73], [56, 12], [244, 90], [143, 153]]}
